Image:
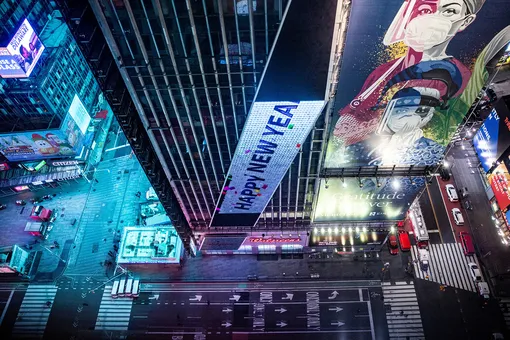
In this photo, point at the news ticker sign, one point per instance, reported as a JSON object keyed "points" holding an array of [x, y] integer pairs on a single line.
{"points": [[271, 139]]}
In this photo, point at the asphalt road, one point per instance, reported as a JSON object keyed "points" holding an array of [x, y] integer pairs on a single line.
{"points": [[260, 313], [440, 212]]}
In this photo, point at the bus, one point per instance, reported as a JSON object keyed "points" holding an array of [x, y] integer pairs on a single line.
{"points": [[129, 286], [122, 287], [135, 292], [115, 289], [419, 229]]}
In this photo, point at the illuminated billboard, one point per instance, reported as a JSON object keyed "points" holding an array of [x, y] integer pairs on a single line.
{"points": [[271, 139], [31, 146], [79, 114], [26, 48], [402, 96], [499, 183], [366, 199], [493, 137], [9, 68], [486, 141]]}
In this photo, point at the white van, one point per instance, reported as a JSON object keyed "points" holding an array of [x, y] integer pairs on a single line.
{"points": [[452, 193], [457, 216]]}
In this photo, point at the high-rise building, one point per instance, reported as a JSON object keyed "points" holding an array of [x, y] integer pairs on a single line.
{"points": [[181, 77]]}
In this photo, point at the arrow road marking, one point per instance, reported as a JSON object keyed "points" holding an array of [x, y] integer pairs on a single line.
{"points": [[281, 310], [235, 298], [333, 295], [226, 310], [337, 323], [281, 324], [196, 298], [288, 296], [226, 324], [337, 309], [154, 297]]}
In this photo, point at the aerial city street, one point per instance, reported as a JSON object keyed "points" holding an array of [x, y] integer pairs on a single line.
{"points": [[243, 169]]}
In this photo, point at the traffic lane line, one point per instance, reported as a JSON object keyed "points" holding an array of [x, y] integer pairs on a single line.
{"points": [[449, 206]]}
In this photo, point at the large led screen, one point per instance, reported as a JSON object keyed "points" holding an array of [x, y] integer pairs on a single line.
{"points": [[406, 78], [31, 146], [9, 68], [26, 47], [486, 141], [364, 199], [499, 183], [271, 139], [79, 114]]}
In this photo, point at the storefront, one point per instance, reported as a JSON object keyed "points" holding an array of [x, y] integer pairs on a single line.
{"points": [[255, 243], [500, 201], [348, 239]]}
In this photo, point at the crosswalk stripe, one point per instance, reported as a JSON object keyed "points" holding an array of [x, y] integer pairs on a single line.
{"points": [[401, 297], [114, 314], [33, 314], [447, 265]]}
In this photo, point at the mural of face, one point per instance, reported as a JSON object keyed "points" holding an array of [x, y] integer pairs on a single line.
{"points": [[427, 26], [434, 23]]}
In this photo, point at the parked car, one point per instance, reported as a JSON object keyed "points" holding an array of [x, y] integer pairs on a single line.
{"points": [[467, 243], [403, 238], [457, 216], [21, 202], [393, 244], [2, 206], [476, 275], [452, 193]]}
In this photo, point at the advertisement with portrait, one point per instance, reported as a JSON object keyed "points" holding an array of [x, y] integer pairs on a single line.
{"points": [[499, 183], [26, 47], [37, 145], [9, 68], [366, 199], [405, 92]]}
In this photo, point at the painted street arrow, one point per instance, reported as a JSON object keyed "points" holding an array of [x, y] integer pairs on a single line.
{"points": [[235, 298], [281, 324], [288, 296], [333, 295], [337, 309], [154, 297], [226, 324], [196, 298], [337, 323], [226, 310], [281, 310]]}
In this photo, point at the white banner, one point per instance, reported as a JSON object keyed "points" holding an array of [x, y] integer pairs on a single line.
{"points": [[271, 139]]}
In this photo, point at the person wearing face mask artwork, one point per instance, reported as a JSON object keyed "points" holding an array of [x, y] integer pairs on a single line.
{"points": [[368, 128]]}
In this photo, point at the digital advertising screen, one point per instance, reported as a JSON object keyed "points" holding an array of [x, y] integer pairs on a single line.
{"points": [[38, 145], [9, 67], [366, 199], [486, 141], [26, 47], [403, 94], [79, 114], [271, 139], [499, 183]]}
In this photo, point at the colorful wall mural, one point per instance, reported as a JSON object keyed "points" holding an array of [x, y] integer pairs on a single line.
{"points": [[406, 78]]}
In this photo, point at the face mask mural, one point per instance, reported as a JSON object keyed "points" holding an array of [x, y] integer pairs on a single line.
{"points": [[413, 98]]}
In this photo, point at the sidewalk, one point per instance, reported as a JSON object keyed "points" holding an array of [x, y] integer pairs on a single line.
{"points": [[492, 254], [239, 267], [111, 204]]}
